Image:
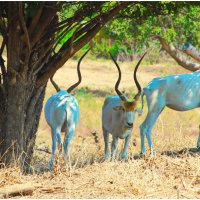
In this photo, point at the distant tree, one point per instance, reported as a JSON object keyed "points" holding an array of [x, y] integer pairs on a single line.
{"points": [[173, 30], [170, 23], [32, 32]]}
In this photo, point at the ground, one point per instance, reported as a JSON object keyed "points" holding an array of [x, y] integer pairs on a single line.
{"points": [[86, 175]]}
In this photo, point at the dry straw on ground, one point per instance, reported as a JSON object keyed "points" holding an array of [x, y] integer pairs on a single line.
{"points": [[157, 176]]}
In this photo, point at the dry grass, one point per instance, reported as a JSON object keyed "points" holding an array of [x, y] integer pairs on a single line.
{"points": [[86, 175], [153, 177]]}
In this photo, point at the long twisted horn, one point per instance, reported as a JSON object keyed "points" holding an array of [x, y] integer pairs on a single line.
{"points": [[78, 72], [118, 81], [136, 97], [54, 84]]}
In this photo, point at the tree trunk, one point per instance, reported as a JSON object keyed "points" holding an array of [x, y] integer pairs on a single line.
{"points": [[23, 109], [21, 101]]}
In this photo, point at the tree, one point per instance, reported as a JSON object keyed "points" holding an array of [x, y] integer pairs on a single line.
{"points": [[170, 23], [180, 56], [129, 31], [31, 36], [174, 29]]}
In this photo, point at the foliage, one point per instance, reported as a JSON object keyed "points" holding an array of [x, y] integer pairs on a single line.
{"points": [[175, 27], [133, 31]]}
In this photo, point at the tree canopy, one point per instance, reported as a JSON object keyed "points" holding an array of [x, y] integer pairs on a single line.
{"points": [[137, 26], [37, 23]]}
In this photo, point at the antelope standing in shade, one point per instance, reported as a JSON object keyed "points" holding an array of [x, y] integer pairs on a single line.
{"points": [[62, 114], [179, 92], [118, 115]]}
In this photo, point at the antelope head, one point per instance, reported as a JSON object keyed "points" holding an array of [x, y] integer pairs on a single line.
{"points": [[128, 107]]}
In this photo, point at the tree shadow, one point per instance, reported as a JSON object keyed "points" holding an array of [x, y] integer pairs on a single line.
{"points": [[184, 151], [173, 153]]}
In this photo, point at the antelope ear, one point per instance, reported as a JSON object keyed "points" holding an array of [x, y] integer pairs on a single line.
{"points": [[118, 108]]}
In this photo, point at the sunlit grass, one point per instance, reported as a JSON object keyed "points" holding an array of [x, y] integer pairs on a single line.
{"points": [[173, 130]]}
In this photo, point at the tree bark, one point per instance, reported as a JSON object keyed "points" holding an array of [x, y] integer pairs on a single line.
{"points": [[24, 106], [178, 56], [191, 51], [21, 102]]}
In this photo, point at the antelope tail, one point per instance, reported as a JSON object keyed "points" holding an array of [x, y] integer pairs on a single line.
{"points": [[140, 111], [142, 97]]}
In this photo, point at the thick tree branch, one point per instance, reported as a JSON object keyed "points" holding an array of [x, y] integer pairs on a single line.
{"points": [[27, 40], [2, 26], [61, 36], [3, 68], [45, 19], [38, 65], [2, 22], [73, 21], [24, 28], [13, 57], [44, 58], [192, 51], [178, 56], [79, 33], [36, 19]]}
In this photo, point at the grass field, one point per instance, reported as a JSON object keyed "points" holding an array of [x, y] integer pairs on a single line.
{"points": [[98, 82], [86, 176]]}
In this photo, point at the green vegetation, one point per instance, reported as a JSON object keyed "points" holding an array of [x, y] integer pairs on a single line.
{"points": [[133, 32]]}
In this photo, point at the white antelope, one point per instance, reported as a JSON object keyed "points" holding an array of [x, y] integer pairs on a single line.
{"points": [[62, 114], [118, 115], [179, 92]]}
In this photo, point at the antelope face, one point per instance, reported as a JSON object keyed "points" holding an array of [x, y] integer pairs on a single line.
{"points": [[128, 119], [127, 114], [129, 108]]}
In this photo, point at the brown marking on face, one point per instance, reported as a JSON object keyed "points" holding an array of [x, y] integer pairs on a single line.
{"points": [[129, 105]]}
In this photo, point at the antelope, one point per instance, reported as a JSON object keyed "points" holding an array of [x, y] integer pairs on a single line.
{"points": [[179, 92], [62, 114], [118, 115]]}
